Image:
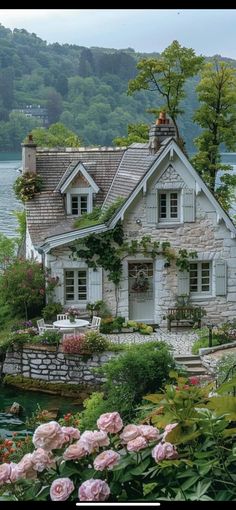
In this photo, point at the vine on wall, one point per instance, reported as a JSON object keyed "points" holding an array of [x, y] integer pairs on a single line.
{"points": [[108, 249]]}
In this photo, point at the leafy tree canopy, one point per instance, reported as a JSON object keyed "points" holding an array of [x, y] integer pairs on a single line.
{"points": [[57, 135]]}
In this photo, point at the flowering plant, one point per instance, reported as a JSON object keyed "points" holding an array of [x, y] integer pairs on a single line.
{"points": [[26, 185], [72, 313]]}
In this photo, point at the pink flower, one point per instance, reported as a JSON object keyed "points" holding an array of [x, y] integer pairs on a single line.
{"points": [[61, 489], [164, 451], [16, 472], [106, 460], [25, 467], [94, 490], [150, 433], [5, 472], [75, 451], [70, 433], [136, 444], [169, 428], [130, 432], [92, 440], [194, 380], [41, 460], [48, 436], [110, 422]]}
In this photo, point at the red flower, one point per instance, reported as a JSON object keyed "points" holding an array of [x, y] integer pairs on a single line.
{"points": [[194, 380]]}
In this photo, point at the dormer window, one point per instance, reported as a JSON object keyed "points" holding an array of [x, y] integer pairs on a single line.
{"points": [[79, 204]]}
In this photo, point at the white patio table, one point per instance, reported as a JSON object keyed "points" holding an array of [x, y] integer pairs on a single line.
{"points": [[66, 324]]}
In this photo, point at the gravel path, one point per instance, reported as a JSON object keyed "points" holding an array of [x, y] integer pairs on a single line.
{"points": [[181, 343]]}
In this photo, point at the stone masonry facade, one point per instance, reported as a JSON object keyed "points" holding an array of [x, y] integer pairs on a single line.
{"points": [[51, 365]]}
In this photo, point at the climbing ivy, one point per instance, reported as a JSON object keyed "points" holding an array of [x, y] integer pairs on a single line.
{"points": [[108, 249]]}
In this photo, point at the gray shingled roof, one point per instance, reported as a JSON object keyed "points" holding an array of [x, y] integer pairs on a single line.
{"points": [[46, 212], [134, 164], [116, 172]]}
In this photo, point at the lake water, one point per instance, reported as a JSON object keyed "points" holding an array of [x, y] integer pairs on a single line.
{"points": [[9, 165]]}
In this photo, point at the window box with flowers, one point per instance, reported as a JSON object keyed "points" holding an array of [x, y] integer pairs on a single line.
{"points": [[26, 185]]}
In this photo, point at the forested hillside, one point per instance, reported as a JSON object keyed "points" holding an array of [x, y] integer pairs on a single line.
{"points": [[85, 89]]}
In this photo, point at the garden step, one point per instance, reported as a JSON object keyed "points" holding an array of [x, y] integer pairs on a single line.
{"points": [[193, 364], [187, 357], [197, 371]]}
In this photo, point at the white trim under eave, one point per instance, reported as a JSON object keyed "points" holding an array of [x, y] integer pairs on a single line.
{"points": [[59, 240], [79, 168]]}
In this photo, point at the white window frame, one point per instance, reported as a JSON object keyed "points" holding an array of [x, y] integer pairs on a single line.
{"points": [[168, 218], [75, 299], [78, 197], [199, 292], [79, 192]]}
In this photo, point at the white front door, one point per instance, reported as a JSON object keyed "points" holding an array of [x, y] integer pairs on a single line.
{"points": [[141, 305]]}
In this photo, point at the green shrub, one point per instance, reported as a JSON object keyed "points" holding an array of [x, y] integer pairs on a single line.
{"points": [[95, 342], [203, 342], [50, 337], [140, 369], [226, 368], [50, 311], [94, 406]]}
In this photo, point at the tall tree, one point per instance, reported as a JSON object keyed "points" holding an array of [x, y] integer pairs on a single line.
{"points": [[57, 135], [167, 75], [136, 133], [217, 116]]}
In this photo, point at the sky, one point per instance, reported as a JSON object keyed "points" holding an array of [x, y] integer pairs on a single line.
{"points": [[208, 31]]}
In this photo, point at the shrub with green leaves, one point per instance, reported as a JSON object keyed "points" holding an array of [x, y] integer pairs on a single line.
{"points": [[26, 185], [50, 337], [50, 311], [95, 342], [139, 369]]}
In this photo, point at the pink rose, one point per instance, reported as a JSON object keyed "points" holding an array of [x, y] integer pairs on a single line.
{"points": [[110, 422], [130, 432], [92, 440], [41, 460], [70, 433], [61, 489], [5, 472], [94, 490], [25, 467], [48, 436], [75, 451], [16, 472], [106, 460], [168, 428], [136, 444], [150, 433], [164, 451]]}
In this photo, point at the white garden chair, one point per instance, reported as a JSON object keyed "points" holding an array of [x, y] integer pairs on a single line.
{"points": [[62, 316], [42, 326], [95, 324]]}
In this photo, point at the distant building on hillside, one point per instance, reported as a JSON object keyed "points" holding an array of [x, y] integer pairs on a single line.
{"points": [[35, 110]]}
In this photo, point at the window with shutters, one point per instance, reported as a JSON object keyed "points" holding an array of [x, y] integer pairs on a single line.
{"points": [[169, 206], [200, 279], [76, 285]]}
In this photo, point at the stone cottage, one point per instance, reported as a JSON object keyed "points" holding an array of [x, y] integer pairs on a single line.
{"points": [[164, 198]]}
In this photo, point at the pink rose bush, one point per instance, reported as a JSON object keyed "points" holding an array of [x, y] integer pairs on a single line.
{"points": [[106, 460], [110, 422], [94, 490], [58, 448], [61, 489], [164, 451]]}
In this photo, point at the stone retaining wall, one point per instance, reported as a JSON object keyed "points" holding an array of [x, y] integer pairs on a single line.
{"points": [[50, 364]]}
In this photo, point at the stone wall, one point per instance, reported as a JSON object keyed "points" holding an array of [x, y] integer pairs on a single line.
{"points": [[52, 365]]}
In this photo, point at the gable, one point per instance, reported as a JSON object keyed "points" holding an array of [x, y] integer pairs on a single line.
{"points": [[172, 170], [79, 172]]}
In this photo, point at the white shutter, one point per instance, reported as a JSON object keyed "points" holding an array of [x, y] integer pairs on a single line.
{"points": [[188, 205], [151, 207], [183, 282], [94, 285], [220, 277]]}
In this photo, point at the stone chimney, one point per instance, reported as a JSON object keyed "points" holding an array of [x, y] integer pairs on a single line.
{"points": [[162, 129], [29, 155]]}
